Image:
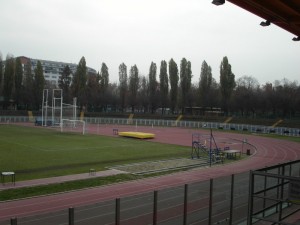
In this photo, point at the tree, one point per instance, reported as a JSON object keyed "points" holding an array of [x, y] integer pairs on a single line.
{"points": [[104, 83], [133, 86], [28, 86], [227, 83], [8, 82], [64, 83], [173, 74], [104, 77], [112, 97], [185, 81], [205, 84], [93, 92], [153, 87], [285, 95], [144, 94], [39, 83], [123, 85], [245, 94], [18, 81], [1, 73], [164, 85], [79, 82]]}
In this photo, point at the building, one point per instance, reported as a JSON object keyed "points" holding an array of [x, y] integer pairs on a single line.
{"points": [[52, 69]]}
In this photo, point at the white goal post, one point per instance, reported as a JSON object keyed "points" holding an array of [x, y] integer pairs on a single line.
{"points": [[68, 125]]}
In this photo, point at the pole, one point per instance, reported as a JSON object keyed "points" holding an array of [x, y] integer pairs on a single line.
{"points": [[71, 216], [155, 208], [210, 201], [250, 197], [117, 211], [185, 204], [231, 199], [13, 221]]}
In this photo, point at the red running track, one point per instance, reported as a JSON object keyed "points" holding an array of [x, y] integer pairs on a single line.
{"points": [[269, 152]]}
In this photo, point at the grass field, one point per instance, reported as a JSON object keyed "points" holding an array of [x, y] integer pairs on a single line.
{"points": [[39, 152]]}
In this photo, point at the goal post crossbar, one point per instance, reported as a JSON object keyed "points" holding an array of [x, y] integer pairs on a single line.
{"points": [[68, 125]]}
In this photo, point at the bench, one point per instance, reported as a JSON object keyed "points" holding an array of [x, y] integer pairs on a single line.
{"points": [[7, 174]]}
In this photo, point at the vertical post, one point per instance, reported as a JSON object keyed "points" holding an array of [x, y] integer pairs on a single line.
{"points": [[210, 148], [13, 221], [278, 181], [231, 199], [250, 197], [281, 194], [117, 222], [210, 201], [155, 208], [71, 216], [185, 204], [265, 188]]}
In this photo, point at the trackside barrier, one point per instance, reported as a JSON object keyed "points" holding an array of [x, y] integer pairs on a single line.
{"points": [[188, 204], [267, 195], [199, 124], [170, 123]]}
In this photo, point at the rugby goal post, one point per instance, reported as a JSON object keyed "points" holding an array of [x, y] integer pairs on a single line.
{"points": [[77, 126]]}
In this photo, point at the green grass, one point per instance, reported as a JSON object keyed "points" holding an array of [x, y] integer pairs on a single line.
{"points": [[38, 152], [27, 192]]}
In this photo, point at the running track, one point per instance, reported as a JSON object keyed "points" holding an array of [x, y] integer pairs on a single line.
{"points": [[269, 152]]}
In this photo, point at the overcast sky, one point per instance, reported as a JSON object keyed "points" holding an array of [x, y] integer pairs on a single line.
{"points": [[141, 31]]}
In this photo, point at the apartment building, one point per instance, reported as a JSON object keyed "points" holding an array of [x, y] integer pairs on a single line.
{"points": [[52, 69]]}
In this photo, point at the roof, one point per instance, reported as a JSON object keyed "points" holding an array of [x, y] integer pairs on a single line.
{"points": [[283, 13]]}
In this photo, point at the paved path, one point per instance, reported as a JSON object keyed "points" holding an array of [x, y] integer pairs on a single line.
{"points": [[52, 180], [269, 152]]}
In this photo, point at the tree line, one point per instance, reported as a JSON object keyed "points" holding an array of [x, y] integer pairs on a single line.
{"points": [[168, 89]]}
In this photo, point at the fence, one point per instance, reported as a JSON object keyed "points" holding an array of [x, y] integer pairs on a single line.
{"points": [[225, 201], [278, 198], [209, 202], [171, 123]]}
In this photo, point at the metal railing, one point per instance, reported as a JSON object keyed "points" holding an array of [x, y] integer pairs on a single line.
{"points": [[216, 201], [278, 196]]}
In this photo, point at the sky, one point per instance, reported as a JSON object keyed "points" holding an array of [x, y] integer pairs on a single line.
{"points": [[144, 31]]}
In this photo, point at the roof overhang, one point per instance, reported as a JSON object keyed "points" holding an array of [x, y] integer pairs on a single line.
{"points": [[283, 13]]}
